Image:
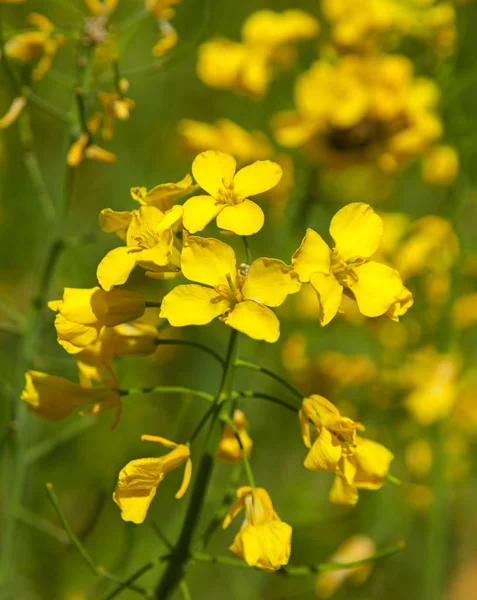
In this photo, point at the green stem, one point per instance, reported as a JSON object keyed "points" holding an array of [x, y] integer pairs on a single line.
{"points": [[274, 399], [248, 254], [246, 463], [176, 568], [168, 389], [244, 364], [301, 570], [171, 342]]}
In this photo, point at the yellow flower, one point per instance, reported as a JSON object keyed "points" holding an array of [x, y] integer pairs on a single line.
{"points": [[84, 147], [264, 541], [83, 313], [357, 231], [357, 462], [101, 7], [229, 447], [95, 360], [440, 165], [161, 9], [35, 46], [225, 136], [267, 46], [229, 191], [138, 480], [116, 106], [162, 197], [464, 311], [357, 547], [151, 244], [418, 457], [54, 398], [13, 112], [167, 41], [240, 297]]}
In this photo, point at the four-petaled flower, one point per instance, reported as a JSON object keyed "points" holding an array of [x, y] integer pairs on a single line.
{"points": [[357, 462], [228, 193], [357, 231], [264, 541], [138, 480], [240, 297]]}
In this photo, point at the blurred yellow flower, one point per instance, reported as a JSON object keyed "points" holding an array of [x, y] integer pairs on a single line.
{"points": [[101, 7], [440, 166], [418, 457], [161, 9], [357, 231], [226, 136], [361, 109], [13, 112], [150, 243], [116, 106], [138, 480], [357, 462], [94, 362], [267, 46], [36, 46], [357, 547], [54, 398], [464, 311], [215, 172], [84, 147], [240, 297], [83, 313], [167, 41], [264, 541], [229, 448]]}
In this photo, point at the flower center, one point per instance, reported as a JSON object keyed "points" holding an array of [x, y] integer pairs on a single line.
{"points": [[227, 195], [343, 269]]}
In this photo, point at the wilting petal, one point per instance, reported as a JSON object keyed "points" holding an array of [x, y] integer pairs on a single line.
{"points": [[245, 218], [325, 453], [373, 461], [343, 493], [199, 211], [270, 281], [266, 546], [357, 230], [376, 288], [212, 169], [116, 267], [192, 305], [208, 261], [255, 320], [261, 176], [401, 305], [314, 255], [329, 293]]}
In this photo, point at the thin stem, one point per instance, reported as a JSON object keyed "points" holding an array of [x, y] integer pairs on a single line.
{"points": [[151, 304], [164, 539], [185, 590], [244, 364], [301, 570], [202, 423], [248, 254], [393, 480], [274, 399], [130, 580], [28, 517], [168, 389], [246, 463], [72, 536], [164, 342]]}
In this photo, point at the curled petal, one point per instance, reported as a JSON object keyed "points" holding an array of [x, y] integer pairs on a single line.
{"points": [[329, 293], [325, 453], [116, 267]]}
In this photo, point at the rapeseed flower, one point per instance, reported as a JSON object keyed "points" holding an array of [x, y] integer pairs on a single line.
{"points": [[116, 106], [228, 193], [358, 463], [150, 243], [440, 166], [139, 479], [84, 146], [357, 231], [239, 297], [82, 314], [100, 8], [264, 541], [229, 447], [38, 46]]}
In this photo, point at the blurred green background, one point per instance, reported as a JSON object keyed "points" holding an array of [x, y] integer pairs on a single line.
{"points": [[84, 467]]}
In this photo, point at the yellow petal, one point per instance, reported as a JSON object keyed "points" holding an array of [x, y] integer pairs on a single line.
{"points": [[122, 306], [254, 179], [266, 546], [376, 288], [192, 305], [255, 320], [401, 305], [137, 486], [208, 261], [74, 337], [270, 281], [343, 493], [171, 218], [329, 293], [324, 454], [112, 220], [245, 218], [313, 255], [116, 267], [83, 305], [357, 230], [212, 169], [373, 461], [199, 211]]}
